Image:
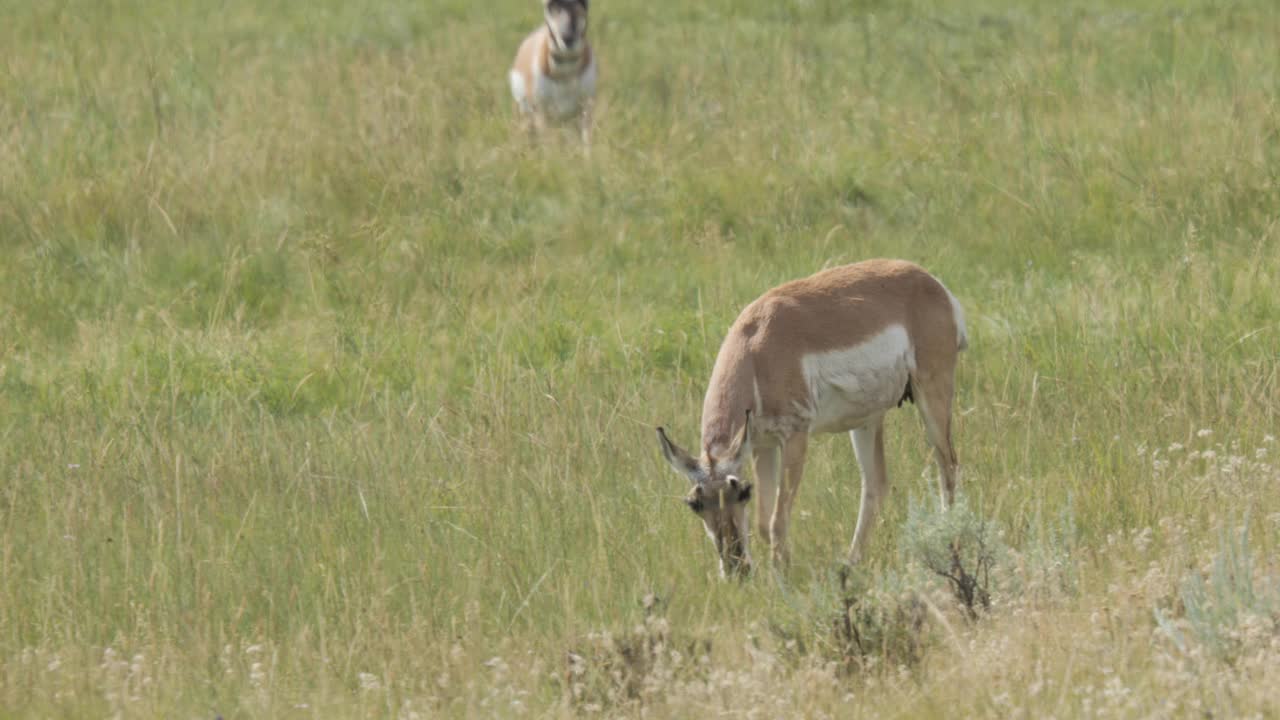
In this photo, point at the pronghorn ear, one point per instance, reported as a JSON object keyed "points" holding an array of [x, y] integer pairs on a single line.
{"points": [[678, 459]]}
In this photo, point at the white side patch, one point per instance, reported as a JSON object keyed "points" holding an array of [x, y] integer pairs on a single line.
{"points": [[849, 387], [518, 90]]}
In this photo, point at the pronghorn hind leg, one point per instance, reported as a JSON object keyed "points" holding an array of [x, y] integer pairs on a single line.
{"points": [[526, 131], [537, 124], [933, 395]]}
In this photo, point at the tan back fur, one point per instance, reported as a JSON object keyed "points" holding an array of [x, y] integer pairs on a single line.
{"points": [[833, 309]]}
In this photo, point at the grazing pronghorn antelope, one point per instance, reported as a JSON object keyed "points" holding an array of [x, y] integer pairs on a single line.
{"points": [[832, 352], [553, 78]]}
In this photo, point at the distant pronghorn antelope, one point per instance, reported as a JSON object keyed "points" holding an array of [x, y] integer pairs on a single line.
{"points": [[832, 352], [554, 74]]}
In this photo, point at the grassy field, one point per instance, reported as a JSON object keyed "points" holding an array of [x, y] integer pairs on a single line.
{"points": [[324, 394]]}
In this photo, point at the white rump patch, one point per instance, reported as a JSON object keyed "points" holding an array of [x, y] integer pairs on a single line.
{"points": [[962, 334], [850, 387]]}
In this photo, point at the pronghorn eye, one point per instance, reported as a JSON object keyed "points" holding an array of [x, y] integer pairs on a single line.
{"points": [[695, 504]]}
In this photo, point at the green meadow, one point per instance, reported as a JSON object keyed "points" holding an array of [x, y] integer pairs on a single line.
{"points": [[325, 393]]}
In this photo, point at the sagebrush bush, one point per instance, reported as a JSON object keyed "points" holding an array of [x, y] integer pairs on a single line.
{"points": [[884, 624], [620, 669], [1047, 560], [1221, 612], [862, 619], [958, 545]]}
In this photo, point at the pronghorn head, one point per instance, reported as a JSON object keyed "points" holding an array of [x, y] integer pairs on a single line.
{"points": [[718, 496], [567, 24]]}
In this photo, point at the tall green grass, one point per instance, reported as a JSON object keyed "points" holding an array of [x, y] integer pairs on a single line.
{"points": [[323, 392]]}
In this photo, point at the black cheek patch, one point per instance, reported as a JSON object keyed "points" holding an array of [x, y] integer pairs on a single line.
{"points": [[745, 494], [694, 504]]}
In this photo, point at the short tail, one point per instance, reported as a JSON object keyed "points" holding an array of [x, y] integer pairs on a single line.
{"points": [[962, 334]]}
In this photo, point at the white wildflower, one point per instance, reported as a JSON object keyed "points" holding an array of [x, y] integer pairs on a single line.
{"points": [[1142, 539], [369, 681], [1115, 689]]}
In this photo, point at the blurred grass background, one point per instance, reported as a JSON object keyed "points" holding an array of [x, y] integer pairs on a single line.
{"points": [[309, 360]]}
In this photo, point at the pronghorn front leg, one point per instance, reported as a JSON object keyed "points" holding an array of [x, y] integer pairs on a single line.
{"points": [[584, 127], [767, 476], [793, 452], [868, 446]]}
